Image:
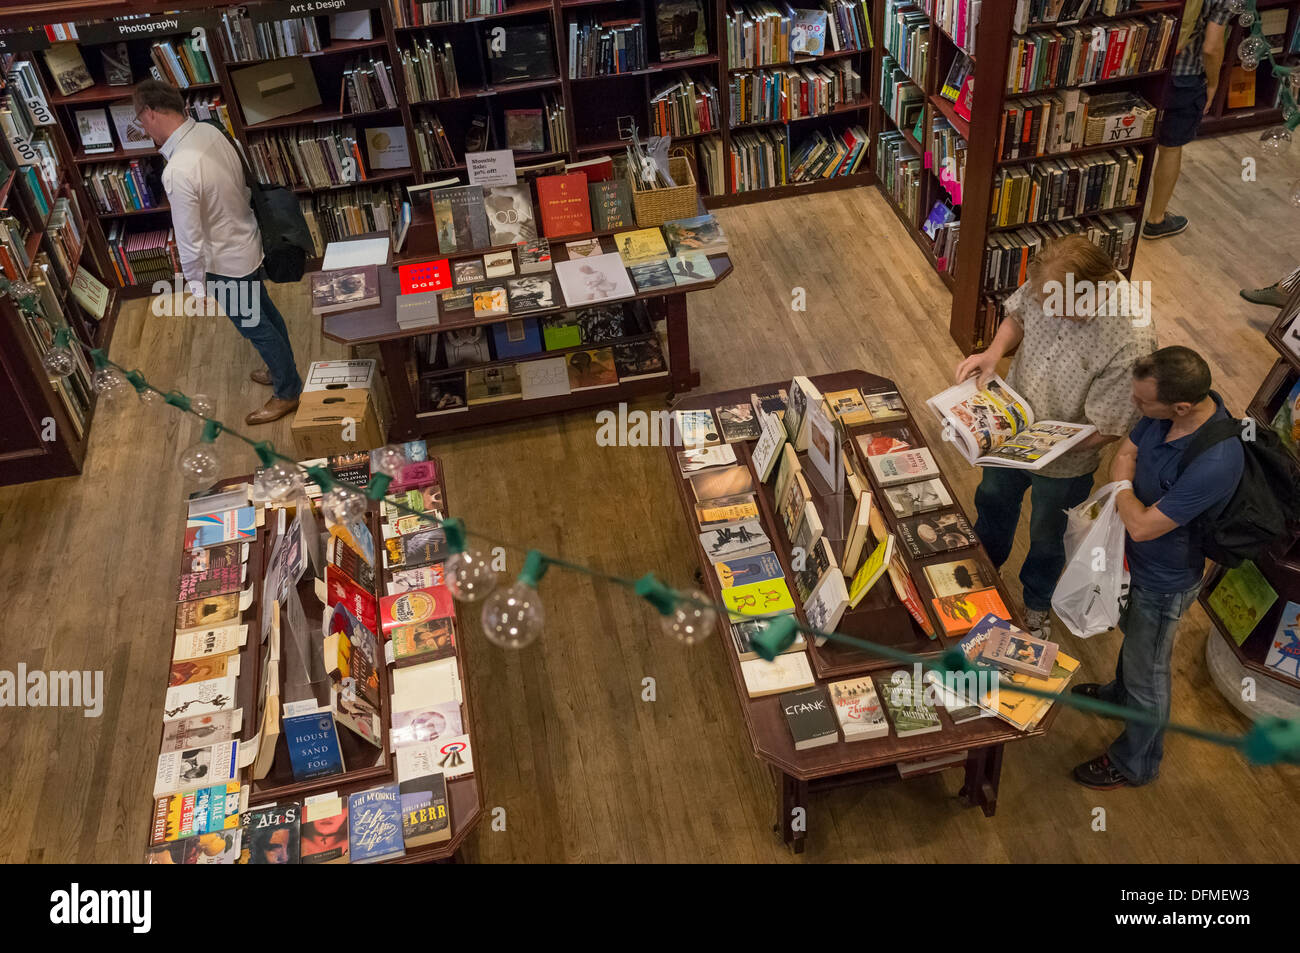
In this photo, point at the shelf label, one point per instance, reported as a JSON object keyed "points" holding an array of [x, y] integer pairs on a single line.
{"points": [[23, 151], [23, 42], [291, 9], [1121, 128], [40, 111], [109, 31], [491, 168]]}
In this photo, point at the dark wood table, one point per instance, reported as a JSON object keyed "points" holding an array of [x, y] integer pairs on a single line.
{"points": [[378, 325], [879, 618]]}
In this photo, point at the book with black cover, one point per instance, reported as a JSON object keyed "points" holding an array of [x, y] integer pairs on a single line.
{"points": [[519, 52], [935, 533], [811, 718], [460, 219]]}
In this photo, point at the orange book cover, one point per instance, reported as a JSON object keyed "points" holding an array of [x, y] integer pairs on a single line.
{"points": [[959, 613], [1241, 88]]}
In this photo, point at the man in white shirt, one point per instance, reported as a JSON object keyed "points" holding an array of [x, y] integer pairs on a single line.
{"points": [[217, 236]]}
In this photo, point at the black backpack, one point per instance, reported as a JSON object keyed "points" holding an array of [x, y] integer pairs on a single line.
{"points": [[1265, 506], [286, 241]]}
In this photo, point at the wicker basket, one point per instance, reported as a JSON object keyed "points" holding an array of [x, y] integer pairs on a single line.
{"points": [[1143, 119], [656, 206]]}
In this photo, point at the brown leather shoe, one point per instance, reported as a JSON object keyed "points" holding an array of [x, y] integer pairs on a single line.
{"points": [[273, 410], [261, 376]]}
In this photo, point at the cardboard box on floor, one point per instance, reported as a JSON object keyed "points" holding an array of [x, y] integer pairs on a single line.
{"points": [[325, 418]]}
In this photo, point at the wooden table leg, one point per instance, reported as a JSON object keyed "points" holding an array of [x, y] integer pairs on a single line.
{"points": [[684, 377], [794, 795], [992, 776], [983, 772], [974, 780], [396, 358]]}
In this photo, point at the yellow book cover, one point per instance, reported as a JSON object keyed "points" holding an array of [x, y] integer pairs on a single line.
{"points": [[770, 597], [873, 567], [643, 245], [1024, 711]]}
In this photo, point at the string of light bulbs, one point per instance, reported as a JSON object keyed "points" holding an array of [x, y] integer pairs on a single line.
{"points": [[1255, 51], [513, 616]]}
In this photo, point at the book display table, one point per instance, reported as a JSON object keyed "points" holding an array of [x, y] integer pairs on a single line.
{"points": [[365, 765], [880, 617], [411, 416]]}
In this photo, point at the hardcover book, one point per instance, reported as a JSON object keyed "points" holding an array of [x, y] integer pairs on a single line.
{"points": [[313, 743], [641, 246], [1018, 651], [459, 216], [696, 429], [849, 407], [635, 360], [743, 633], [510, 214], [611, 204], [690, 268], [546, 378], [423, 276], [422, 792], [591, 369], [734, 540], [936, 533], [785, 673], [1241, 599], [818, 561], [490, 302], [738, 422], [958, 577], [958, 613], [593, 280], [271, 833], [811, 718], [193, 768], [907, 705], [699, 234], [468, 271], [414, 608], [922, 496], [887, 441], [534, 256], [433, 639], [890, 469], [1284, 649], [323, 835], [344, 290], [490, 385], [827, 604], [651, 276], [563, 205], [499, 264], [748, 569], [700, 458], [375, 825], [758, 599], [887, 405], [434, 720], [858, 708], [530, 293]]}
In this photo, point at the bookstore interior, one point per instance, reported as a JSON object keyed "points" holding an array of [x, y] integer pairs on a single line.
{"points": [[642, 475]]}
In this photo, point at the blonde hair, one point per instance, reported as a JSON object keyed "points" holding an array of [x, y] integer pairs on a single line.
{"points": [[1076, 255]]}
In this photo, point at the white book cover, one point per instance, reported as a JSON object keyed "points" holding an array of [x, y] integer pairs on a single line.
{"points": [[129, 131], [595, 279], [351, 25], [355, 254], [826, 604], [454, 757], [548, 377], [194, 768], [427, 684], [700, 458], [785, 673], [200, 643], [386, 147], [92, 127], [858, 708], [200, 698], [768, 448], [824, 446]]}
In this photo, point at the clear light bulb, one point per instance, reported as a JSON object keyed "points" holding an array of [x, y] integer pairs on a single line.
{"points": [[280, 480], [59, 362], [1236, 6], [110, 383], [1252, 50], [149, 397], [513, 617], [1246, 18], [689, 623], [343, 505], [1275, 141], [202, 405], [469, 575], [388, 460], [199, 463]]}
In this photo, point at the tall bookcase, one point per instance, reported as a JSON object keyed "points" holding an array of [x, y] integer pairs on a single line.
{"points": [[970, 323], [44, 423]]}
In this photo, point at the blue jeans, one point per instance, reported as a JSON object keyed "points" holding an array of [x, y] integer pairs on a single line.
{"points": [[997, 508], [1142, 676], [250, 308]]}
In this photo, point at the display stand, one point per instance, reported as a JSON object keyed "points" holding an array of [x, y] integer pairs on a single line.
{"points": [[378, 325], [369, 768], [881, 619]]}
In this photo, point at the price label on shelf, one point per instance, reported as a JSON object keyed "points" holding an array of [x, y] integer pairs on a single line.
{"points": [[40, 112]]}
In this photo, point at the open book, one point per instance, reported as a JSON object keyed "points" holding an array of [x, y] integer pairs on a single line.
{"points": [[995, 426]]}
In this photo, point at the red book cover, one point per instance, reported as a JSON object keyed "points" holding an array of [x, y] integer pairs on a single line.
{"points": [[424, 276], [564, 205], [358, 601], [415, 608], [963, 103], [596, 170]]}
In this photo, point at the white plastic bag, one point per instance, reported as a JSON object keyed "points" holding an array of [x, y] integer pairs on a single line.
{"points": [[1095, 580]]}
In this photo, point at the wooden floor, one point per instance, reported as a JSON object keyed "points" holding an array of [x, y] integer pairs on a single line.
{"points": [[585, 769]]}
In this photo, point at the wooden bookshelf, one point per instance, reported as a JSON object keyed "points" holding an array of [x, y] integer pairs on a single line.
{"points": [[993, 44]]}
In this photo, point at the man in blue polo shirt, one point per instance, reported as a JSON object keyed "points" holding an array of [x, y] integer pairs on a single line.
{"points": [[1171, 388]]}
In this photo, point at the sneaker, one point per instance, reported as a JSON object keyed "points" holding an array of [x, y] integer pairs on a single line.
{"points": [[1273, 296], [1099, 774], [1038, 623], [1087, 690], [1171, 225]]}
